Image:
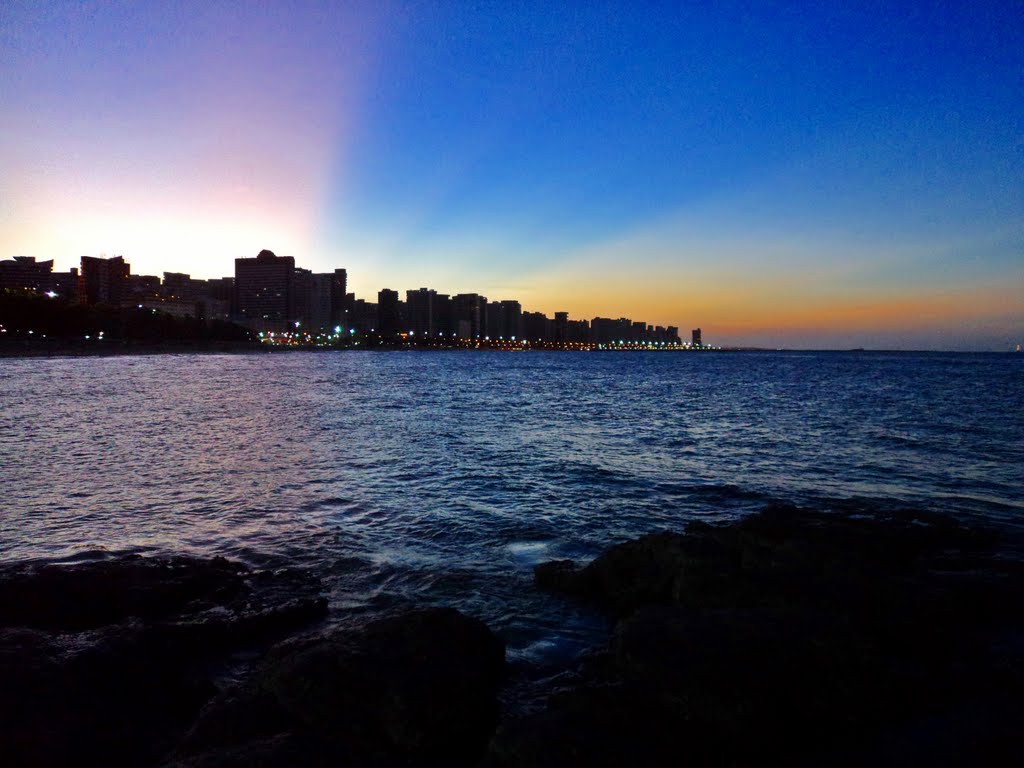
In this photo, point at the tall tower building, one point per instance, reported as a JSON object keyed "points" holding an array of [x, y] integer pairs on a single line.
{"points": [[264, 287], [389, 314], [695, 337], [103, 281], [420, 307]]}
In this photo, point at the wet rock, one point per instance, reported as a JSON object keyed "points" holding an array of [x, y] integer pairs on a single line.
{"points": [[423, 683], [89, 595], [797, 637], [108, 662], [600, 725], [420, 686]]}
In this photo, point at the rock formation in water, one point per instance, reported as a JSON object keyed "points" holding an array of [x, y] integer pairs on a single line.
{"points": [[792, 637]]}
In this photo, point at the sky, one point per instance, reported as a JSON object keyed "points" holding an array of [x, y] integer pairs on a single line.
{"points": [[807, 175]]}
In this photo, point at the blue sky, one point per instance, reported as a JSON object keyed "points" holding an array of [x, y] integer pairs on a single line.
{"points": [[815, 174]]}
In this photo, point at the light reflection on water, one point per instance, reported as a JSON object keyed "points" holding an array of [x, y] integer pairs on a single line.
{"points": [[443, 477]]}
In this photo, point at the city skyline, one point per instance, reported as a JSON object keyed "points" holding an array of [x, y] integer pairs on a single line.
{"points": [[271, 293], [784, 176]]}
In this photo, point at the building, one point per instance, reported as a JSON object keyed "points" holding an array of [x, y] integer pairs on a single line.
{"points": [[264, 288], [505, 319], [420, 308], [103, 281], [362, 315], [695, 336], [389, 314], [469, 315], [340, 304], [24, 273], [65, 284], [536, 326]]}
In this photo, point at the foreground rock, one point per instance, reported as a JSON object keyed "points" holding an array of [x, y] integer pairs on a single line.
{"points": [[419, 688], [108, 662], [793, 637]]}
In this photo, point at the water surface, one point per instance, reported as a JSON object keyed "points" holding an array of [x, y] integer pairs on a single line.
{"points": [[432, 477]]}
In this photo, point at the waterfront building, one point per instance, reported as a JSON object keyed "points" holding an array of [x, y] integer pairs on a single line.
{"points": [[537, 327], [362, 315], [103, 281], [264, 287], [560, 329], [578, 332], [143, 287], [318, 309], [420, 309], [24, 273], [389, 313], [65, 284], [695, 337], [505, 319], [469, 315]]}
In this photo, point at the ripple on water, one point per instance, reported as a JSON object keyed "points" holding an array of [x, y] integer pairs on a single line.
{"points": [[419, 479]]}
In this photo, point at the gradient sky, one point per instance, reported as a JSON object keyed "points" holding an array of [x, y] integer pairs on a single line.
{"points": [[824, 174]]}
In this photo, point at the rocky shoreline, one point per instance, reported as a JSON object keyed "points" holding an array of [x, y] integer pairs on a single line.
{"points": [[790, 637]]}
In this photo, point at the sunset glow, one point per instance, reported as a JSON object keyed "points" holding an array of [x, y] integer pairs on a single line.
{"points": [[779, 177]]}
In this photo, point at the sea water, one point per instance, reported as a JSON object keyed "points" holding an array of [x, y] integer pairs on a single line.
{"points": [[415, 478]]}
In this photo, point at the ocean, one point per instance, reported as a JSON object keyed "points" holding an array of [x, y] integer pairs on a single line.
{"points": [[416, 478]]}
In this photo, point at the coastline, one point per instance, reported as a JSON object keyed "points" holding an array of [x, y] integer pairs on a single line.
{"points": [[787, 637]]}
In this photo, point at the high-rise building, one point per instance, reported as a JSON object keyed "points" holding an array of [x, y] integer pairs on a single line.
{"points": [[695, 337], [340, 304], [420, 308], [103, 281], [505, 319], [264, 287], [318, 313], [389, 316], [560, 329], [537, 327], [469, 315]]}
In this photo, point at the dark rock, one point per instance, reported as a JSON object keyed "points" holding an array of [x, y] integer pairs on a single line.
{"points": [[613, 725], [421, 685], [282, 750], [650, 570], [108, 662], [794, 637], [90, 595], [558, 576]]}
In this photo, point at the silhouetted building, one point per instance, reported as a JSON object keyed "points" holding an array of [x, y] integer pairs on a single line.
{"points": [[318, 312], [264, 287], [362, 315], [443, 315], [420, 308], [340, 304], [389, 315], [103, 281], [579, 331], [504, 319], [695, 337], [673, 335], [24, 273], [181, 286], [561, 327], [143, 287], [536, 326], [65, 284], [469, 315], [604, 330]]}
